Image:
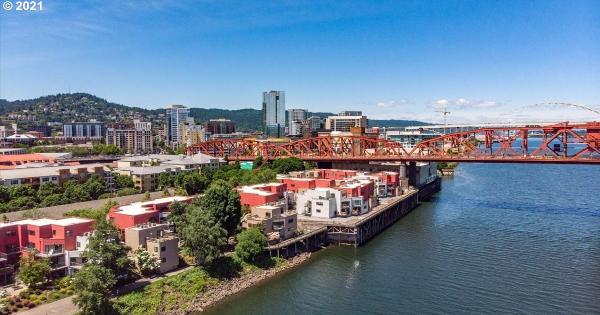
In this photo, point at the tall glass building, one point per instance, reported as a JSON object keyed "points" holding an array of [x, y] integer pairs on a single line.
{"points": [[176, 115], [273, 111]]}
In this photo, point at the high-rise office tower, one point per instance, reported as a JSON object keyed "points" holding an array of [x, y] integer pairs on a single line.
{"points": [[273, 111], [176, 115]]}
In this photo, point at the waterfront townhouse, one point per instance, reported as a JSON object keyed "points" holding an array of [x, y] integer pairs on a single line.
{"points": [[46, 238], [322, 203], [275, 221], [360, 194], [154, 211], [157, 240], [261, 194]]}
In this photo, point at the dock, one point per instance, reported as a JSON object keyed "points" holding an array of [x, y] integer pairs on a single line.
{"points": [[309, 241], [357, 230]]}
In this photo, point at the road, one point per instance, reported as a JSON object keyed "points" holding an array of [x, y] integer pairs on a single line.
{"points": [[66, 307], [57, 212]]}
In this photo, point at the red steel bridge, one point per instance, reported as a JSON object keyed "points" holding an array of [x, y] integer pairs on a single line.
{"points": [[561, 143]]}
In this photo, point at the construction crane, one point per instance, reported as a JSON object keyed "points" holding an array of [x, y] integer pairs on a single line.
{"points": [[445, 113]]}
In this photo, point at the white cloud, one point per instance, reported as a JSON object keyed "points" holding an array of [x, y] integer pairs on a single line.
{"points": [[464, 103], [394, 103]]}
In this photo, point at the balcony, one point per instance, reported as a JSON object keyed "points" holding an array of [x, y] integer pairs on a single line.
{"points": [[278, 225]]}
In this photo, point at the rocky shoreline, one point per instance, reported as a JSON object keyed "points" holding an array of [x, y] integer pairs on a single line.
{"points": [[214, 294]]}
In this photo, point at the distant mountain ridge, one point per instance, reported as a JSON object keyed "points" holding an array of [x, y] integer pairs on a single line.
{"points": [[83, 107]]}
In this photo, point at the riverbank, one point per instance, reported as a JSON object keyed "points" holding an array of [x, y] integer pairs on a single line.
{"points": [[216, 293]]}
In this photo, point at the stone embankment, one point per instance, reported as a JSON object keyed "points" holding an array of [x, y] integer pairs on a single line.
{"points": [[214, 294]]}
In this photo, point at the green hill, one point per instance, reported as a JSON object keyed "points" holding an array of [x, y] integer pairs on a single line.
{"points": [[83, 107]]}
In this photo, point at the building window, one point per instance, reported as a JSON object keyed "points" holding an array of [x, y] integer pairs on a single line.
{"points": [[68, 233], [318, 210], [10, 233], [78, 245], [45, 179], [290, 220], [163, 248], [14, 182], [319, 203], [155, 249], [54, 178], [164, 259], [53, 232], [31, 232]]}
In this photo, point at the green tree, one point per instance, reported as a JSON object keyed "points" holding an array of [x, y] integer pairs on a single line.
{"points": [[177, 214], [123, 181], [95, 186], [106, 249], [22, 203], [47, 189], [145, 263], [75, 192], [251, 243], [286, 165], [223, 203], [93, 284], [34, 272], [20, 191], [194, 183], [258, 162], [202, 236], [165, 180], [4, 194], [53, 200]]}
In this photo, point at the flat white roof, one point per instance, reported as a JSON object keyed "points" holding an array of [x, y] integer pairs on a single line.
{"points": [[43, 171], [42, 222], [137, 208]]}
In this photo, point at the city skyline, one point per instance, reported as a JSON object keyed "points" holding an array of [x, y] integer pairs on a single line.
{"points": [[482, 61]]}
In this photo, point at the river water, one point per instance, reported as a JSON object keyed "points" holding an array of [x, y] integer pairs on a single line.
{"points": [[503, 238]]}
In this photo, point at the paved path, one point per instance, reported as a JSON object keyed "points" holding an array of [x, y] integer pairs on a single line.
{"points": [[66, 306], [60, 307], [57, 212]]}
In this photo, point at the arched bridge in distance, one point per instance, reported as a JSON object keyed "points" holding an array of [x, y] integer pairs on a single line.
{"points": [[560, 143]]}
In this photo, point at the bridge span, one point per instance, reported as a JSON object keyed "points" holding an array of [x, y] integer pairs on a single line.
{"points": [[562, 143]]}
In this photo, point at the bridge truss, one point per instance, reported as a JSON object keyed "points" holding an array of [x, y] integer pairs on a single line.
{"points": [[560, 143]]}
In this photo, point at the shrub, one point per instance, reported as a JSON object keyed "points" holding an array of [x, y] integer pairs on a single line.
{"points": [[127, 192], [105, 196]]}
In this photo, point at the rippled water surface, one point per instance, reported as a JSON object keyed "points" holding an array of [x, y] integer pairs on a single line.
{"points": [[497, 239]]}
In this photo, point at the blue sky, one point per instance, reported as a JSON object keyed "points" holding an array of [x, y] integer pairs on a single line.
{"points": [[483, 60]]}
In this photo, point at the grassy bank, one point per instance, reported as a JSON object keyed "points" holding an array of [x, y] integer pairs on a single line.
{"points": [[175, 293]]}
